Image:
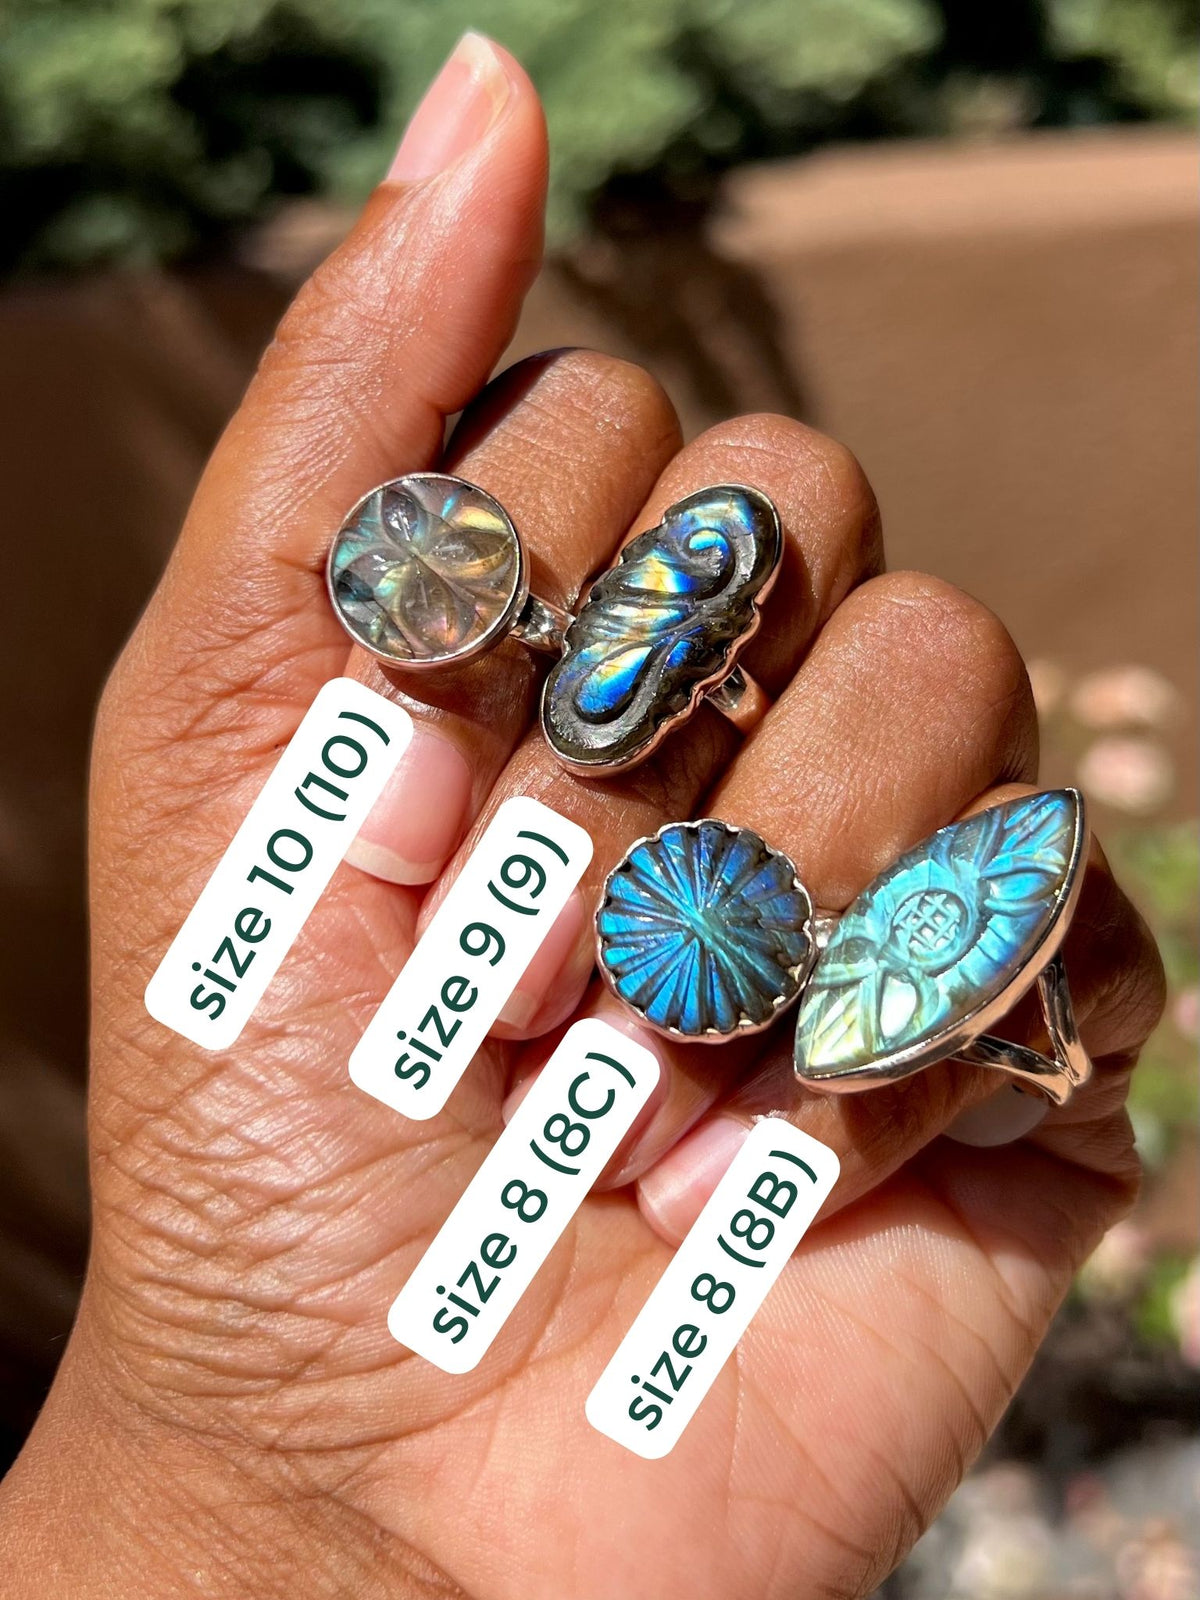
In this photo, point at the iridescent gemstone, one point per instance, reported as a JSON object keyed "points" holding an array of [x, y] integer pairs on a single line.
{"points": [[661, 627], [953, 928], [704, 930], [426, 570]]}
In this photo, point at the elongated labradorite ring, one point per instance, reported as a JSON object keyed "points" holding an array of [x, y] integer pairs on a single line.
{"points": [[704, 931], [663, 628], [941, 945], [428, 571]]}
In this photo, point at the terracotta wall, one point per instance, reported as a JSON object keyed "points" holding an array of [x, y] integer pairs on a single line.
{"points": [[1007, 338]]}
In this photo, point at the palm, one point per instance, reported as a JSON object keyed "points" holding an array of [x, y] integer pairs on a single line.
{"points": [[872, 1374]]}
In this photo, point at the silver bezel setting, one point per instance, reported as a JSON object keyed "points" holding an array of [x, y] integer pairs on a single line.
{"points": [[746, 1026], [497, 631]]}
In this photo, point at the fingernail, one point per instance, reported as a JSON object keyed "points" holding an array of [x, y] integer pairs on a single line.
{"points": [[459, 107], [509, 1109], [1007, 1115], [673, 1193], [608, 1010], [553, 982], [414, 827]]}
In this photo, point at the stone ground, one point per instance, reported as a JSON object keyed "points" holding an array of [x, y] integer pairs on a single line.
{"points": [[1128, 1528]]}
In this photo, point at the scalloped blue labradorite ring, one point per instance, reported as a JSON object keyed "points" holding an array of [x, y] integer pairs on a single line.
{"points": [[428, 571], [943, 944], [704, 931]]}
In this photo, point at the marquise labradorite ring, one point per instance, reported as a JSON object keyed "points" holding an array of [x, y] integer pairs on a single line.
{"points": [[940, 946], [429, 571], [706, 933]]}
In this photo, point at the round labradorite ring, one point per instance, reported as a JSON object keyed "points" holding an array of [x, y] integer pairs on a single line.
{"points": [[429, 571], [704, 931], [942, 945]]}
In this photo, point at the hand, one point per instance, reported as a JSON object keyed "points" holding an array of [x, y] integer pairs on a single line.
{"points": [[231, 1416]]}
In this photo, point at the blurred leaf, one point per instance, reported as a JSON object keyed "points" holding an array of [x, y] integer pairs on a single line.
{"points": [[142, 128], [1160, 867], [1152, 44], [1153, 1314]]}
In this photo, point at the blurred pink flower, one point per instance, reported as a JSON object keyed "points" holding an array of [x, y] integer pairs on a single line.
{"points": [[1091, 1513], [1185, 1314], [1127, 773], [1186, 1012], [1158, 1566], [1047, 680], [1118, 1263], [1119, 697]]}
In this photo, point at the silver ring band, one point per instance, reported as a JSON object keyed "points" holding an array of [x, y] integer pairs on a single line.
{"points": [[1058, 1077], [428, 571], [942, 945]]}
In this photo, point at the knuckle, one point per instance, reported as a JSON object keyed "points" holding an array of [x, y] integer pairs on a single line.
{"points": [[1142, 998], [818, 469], [826, 501], [327, 323], [1125, 989], [604, 372], [958, 661], [577, 410], [956, 631], [608, 395], [847, 490], [351, 317]]}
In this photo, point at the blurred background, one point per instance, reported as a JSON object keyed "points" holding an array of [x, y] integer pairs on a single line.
{"points": [[959, 236]]}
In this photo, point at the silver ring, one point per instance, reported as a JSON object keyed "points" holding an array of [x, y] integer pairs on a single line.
{"points": [[662, 630], [942, 945], [705, 932], [428, 571]]}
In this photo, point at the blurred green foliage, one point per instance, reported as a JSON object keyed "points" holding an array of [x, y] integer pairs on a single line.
{"points": [[141, 129], [1154, 1314], [1159, 867]]}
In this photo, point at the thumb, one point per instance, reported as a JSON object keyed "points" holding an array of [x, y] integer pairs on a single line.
{"points": [[394, 332]]}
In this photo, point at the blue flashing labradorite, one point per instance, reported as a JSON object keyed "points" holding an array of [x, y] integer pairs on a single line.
{"points": [[662, 626], [704, 930], [937, 938], [426, 569]]}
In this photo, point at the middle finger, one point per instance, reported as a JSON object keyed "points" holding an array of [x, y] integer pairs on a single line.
{"points": [[831, 541]]}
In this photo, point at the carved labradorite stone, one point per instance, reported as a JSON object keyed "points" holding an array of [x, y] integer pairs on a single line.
{"points": [[705, 930], [426, 570], [937, 939], [661, 627]]}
